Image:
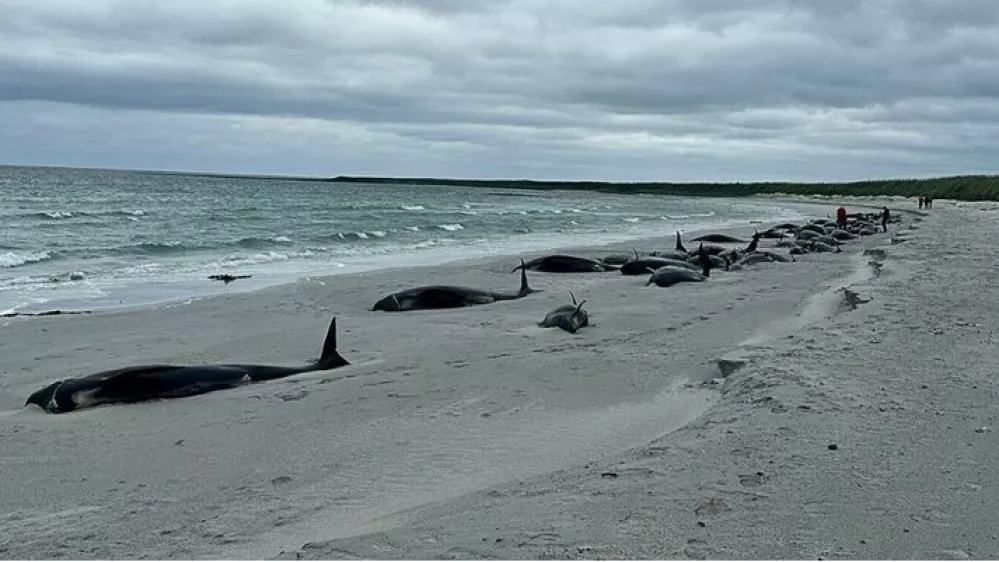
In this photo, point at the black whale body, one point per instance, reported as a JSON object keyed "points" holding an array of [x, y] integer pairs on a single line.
{"points": [[149, 382], [558, 263], [447, 296]]}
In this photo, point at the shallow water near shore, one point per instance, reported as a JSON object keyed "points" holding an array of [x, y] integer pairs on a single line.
{"points": [[72, 239]]}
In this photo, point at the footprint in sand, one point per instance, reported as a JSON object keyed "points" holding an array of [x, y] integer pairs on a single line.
{"points": [[714, 506], [752, 480], [293, 396]]}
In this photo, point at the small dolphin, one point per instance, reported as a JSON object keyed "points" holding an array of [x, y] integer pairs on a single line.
{"points": [[569, 317]]}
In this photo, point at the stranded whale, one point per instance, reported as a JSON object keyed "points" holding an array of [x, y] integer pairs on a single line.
{"points": [[447, 296], [149, 382]]}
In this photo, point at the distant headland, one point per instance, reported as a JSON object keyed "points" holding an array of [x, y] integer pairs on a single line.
{"points": [[964, 187], [968, 188]]}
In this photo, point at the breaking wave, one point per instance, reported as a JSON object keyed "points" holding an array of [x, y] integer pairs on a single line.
{"points": [[16, 259]]}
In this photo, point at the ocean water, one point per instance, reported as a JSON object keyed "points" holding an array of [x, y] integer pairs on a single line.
{"points": [[86, 239]]}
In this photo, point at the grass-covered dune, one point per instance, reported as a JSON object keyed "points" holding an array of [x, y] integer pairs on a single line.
{"points": [[967, 188]]}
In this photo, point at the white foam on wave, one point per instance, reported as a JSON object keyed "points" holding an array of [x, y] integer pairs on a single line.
{"points": [[20, 306], [266, 257], [354, 252], [413, 208], [15, 259]]}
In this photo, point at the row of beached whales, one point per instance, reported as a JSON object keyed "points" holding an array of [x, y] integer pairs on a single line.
{"points": [[666, 268]]}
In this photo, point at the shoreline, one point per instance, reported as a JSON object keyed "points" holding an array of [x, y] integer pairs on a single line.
{"points": [[804, 207], [436, 407]]}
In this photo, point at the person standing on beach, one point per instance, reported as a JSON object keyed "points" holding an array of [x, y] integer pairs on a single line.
{"points": [[885, 218], [920, 201], [841, 217]]}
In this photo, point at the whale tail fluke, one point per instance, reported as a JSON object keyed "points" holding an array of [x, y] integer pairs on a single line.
{"points": [[573, 297], [330, 357]]}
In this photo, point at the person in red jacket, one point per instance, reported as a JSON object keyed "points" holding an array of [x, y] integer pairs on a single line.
{"points": [[841, 217]]}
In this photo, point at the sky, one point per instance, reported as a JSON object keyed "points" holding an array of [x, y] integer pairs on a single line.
{"points": [[614, 90]]}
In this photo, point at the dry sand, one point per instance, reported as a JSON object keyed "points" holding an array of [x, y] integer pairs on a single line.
{"points": [[473, 433]]}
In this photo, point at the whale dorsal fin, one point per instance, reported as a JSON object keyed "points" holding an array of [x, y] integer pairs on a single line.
{"points": [[330, 358], [525, 289]]}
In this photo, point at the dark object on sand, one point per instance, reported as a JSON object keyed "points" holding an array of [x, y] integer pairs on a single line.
{"points": [[720, 238], [56, 312], [569, 317], [669, 275], [148, 382], [679, 243], [559, 263], [448, 296], [227, 278]]}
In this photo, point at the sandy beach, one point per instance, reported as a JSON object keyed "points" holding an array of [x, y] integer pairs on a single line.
{"points": [[766, 413]]}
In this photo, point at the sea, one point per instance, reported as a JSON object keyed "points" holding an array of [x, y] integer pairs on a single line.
{"points": [[83, 239]]}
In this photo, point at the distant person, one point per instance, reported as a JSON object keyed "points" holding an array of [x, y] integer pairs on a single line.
{"points": [[885, 218], [920, 201], [929, 202], [841, 217]]}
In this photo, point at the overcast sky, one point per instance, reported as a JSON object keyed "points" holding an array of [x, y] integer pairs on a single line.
{"points": [[634, 90]]}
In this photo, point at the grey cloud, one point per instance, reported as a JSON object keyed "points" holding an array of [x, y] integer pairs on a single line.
{"points": [[581, 84]]}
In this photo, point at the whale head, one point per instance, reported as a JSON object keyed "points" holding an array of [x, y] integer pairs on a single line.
{"points": [[50, 400], [392, 303]]}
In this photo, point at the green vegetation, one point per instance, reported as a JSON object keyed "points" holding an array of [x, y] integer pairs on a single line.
{"points": [[967, 188]]}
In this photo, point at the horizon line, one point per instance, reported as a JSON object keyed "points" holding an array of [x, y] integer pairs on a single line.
{"points": [[349, 178]]}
